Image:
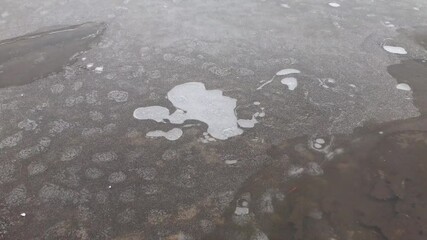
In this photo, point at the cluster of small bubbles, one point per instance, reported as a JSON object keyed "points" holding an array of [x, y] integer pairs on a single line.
{"points": [[11, 141], [71, 153], [104, 157], [101, 197], [77, 85], [96, 116], [184, 60], [93, 173], [126, 216], [170, 155], [72, 101], [117, 177], [154, 74], [58, 126], [36, 168], [148, 173], [127, 196], [157, 216], [118, 96], [57, 88], [7, 171], [91, 132], [68, 177], [34, 150], [17, 196], [151, 189], [109, 128], [245, 72], [92, 97], [27, 125], [314, 169], [54, 193], [221, 72]]}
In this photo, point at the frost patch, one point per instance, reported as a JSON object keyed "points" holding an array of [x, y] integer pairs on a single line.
{"points": [[282, 72], [291, 82], [194, 102], [99, 69], [395, 50], [403, 86], [171, 135]]}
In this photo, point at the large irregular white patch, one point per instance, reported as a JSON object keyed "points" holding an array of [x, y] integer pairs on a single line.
{"points": [[194, 102]]}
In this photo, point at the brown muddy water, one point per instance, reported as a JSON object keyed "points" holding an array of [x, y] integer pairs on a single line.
{"points": [[371, 185]]}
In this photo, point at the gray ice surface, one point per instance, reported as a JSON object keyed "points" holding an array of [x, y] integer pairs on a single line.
{"points": [[75, 160]]}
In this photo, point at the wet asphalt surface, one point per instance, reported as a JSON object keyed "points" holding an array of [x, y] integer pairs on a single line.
{"points": [[340, 157]]}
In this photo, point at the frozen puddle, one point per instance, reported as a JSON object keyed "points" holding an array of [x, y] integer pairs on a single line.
{"points": [[194, 102], [395, 50]]}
